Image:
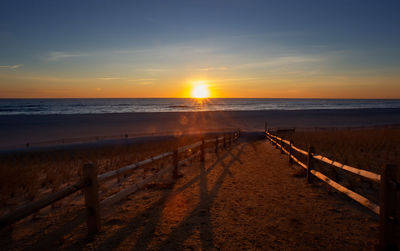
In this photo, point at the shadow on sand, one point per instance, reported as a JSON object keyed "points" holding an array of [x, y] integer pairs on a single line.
{"points": [[148, 220]]}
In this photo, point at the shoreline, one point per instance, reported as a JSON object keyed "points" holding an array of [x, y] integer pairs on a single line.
{"points": [[197, 111], [20, 129]]}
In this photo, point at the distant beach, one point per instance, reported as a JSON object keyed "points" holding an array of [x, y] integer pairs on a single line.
{"points": [[17, 130]]}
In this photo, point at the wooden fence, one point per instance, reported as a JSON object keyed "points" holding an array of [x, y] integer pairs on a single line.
{"points": [[388, 210], [124, 136], [90, 180]]}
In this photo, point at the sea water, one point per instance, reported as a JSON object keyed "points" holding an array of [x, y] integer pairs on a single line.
{"points": [[126, 105]]}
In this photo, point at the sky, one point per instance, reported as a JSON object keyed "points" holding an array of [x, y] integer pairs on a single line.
{"points": [[239, 48]]}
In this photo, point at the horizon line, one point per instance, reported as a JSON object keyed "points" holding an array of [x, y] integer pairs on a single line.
{"points": [[198, 98]]}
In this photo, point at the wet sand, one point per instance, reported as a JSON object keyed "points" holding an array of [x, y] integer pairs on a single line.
{"points": [[17, 130]]}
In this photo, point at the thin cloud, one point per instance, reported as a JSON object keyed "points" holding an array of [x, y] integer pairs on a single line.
{"points": [[108, 78], [53, 79], [144, 83], [60, 55], [278, 61], [142, 79], [130, 51], [234, 79], [154, 69], [16, 66], [223, 68]]}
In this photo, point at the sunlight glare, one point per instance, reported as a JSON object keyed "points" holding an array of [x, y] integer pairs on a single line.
{"points": [[200, 90]]}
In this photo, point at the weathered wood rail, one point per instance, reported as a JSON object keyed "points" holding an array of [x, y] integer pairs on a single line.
{"points": [[388, 210], [127, 135], [90, 180]]}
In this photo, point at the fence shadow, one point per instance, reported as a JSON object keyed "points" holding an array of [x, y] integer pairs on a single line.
{"points": [[51, 239], [185, 228]]}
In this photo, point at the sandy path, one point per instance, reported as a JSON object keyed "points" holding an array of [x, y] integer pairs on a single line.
{"points": [[245, 198]]}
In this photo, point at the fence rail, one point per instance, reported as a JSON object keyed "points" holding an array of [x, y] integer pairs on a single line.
{"points": [[388, 210], [127, 135], [366, 174], [35, 206], [90, 180]]}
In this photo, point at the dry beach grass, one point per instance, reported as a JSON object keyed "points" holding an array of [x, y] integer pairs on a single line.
{"points": [[368, 148], [27, 176], [363, 148]]}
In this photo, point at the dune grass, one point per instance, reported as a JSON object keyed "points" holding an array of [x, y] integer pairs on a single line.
{"points": [[368, 149], [25, 177]]}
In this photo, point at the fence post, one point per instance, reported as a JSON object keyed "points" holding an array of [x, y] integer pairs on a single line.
{"points": [[202, 157], [175, 163], [91, 198], [6, 232], [281, 146], [224, 141], [309, 163], [290, 152], [216, 144], [387, 215]]}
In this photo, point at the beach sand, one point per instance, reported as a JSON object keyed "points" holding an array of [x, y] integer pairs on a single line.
{"points": [[17, 130], [244, 198]]}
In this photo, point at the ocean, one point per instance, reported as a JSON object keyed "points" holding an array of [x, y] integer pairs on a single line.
{"points": [[128, 105]]}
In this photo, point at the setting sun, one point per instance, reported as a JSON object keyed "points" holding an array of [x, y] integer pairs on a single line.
{"points": [[200, 90]]}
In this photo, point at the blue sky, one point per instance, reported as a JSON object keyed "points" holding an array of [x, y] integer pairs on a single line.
{"points": [[242, 48]]}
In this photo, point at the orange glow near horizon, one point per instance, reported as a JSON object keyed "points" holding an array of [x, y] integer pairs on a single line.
{"points": [[214, 87]]}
